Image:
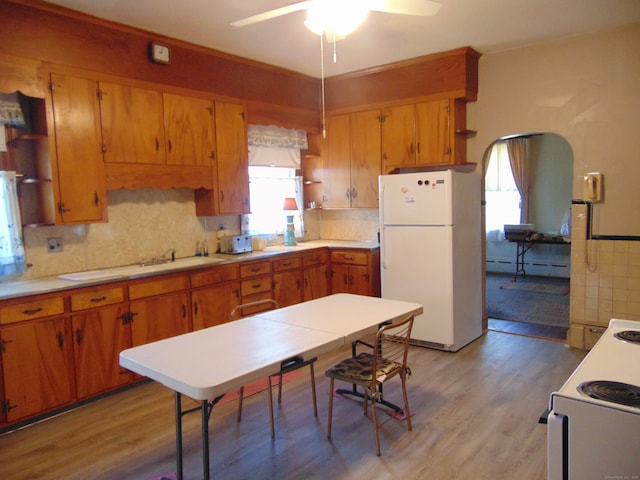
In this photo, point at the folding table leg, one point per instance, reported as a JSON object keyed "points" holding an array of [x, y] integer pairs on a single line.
{"points": [[178, 437], [205, 439]]}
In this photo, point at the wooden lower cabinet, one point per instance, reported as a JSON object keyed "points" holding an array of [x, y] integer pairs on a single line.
{"points": [[159, 309], [159, 317], [215, 293], [287, 280], [37, 368], [355, 271], [99, 336], [255, 284], [315, 275], [213, 305], [57, 349]]}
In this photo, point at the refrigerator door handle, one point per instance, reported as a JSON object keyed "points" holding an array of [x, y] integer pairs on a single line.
{"points": [[383, 242]]}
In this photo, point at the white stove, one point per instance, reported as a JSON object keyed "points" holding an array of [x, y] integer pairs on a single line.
{"points": [[593, 428]]}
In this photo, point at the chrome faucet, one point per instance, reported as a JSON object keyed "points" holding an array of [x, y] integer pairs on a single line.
{"points": [[162, 258]]}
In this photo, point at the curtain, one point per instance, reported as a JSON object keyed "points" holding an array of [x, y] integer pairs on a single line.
{"points": [[271, 146], [518, 149], [12, 262]]}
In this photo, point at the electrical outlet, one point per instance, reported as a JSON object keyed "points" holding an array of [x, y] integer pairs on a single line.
{"points": [[55, 244]]}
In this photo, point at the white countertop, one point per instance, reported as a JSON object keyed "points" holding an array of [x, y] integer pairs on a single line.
{"points": [[22, 288]]}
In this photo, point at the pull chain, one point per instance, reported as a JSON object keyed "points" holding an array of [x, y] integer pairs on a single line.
{"points": [[324, 129]]}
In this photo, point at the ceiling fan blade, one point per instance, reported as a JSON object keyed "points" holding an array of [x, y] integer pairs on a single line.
{"points": [[278, 12], [424, 8]]}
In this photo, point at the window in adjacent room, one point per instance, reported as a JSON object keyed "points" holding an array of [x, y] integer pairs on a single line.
{"points": [[501, 194]]}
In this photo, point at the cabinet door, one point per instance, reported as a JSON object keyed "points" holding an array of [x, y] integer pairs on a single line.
{"points": [[233, 161], [365, 158], [336, 182], [132, 124], [189, 130], [98, 338], [339, 278], [350, 279], [82, 195], [359, 280], [433, 132], [398, 136], [213, 305], [315, 282], [160, 317], [287, 287], [36, 362]]}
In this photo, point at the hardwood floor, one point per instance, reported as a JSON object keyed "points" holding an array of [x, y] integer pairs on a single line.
{"points": [[475, 416]]}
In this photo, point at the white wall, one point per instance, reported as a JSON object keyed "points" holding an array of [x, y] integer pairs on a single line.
{"points": [[586, 89]]}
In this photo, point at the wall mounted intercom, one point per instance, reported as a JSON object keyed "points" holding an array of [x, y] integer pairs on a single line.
{"points": [[593, 187]]}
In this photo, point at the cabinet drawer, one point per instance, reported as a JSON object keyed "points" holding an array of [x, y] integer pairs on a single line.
{"points": [[351, 257], [314, 258], [31, 310], [97, 298], [255, 269], [157, 287], [223, 273], [288, 262], [255, 285]]}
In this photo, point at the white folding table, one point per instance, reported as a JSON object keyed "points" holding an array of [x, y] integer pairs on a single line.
{"points": [[206, 364]]}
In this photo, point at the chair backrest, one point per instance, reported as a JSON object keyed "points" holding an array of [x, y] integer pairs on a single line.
{"points": [[392, 342], [266, 304]]}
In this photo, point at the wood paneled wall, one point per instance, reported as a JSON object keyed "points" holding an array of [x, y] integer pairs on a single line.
{"points": [[452, 74], [35, 30]]}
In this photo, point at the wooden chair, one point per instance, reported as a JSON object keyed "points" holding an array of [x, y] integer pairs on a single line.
{"points": [[388, 359], [286, 366]]}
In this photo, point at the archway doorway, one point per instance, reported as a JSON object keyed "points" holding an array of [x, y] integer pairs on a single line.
{"points": [[528, 266]]}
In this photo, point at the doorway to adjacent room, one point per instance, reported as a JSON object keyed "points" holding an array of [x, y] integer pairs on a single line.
{"points": [[529, 183]]}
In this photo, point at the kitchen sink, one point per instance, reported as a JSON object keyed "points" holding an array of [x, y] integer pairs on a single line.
{"points": [[136, 270]]}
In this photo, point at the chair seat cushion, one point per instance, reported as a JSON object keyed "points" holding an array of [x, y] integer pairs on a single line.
{"points": [[360, 368]]}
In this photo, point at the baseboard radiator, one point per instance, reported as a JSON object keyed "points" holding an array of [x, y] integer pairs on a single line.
{"points": [[540, 267]]}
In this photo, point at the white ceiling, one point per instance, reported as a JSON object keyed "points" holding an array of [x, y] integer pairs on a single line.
{"points": [[486, 25]]}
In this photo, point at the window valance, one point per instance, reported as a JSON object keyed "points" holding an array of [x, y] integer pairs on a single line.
{"points": [[272, 146], [273, 136]]}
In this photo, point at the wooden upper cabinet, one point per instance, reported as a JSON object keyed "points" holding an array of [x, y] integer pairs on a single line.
{"points": [[398, 135], [82, 196], [365, 158], [426, 133], [190, 131], [434, 132], [352, 160], [132, 124], [232, 161], [336, 182]]}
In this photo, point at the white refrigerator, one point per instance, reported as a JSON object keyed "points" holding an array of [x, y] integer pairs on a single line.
{"points": [[430, 253]]}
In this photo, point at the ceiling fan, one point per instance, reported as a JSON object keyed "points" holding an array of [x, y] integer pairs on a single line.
{"points": [[341, 17]]}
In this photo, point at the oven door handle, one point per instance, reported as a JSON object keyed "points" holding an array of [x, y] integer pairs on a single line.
{"points": [[557, 446]]}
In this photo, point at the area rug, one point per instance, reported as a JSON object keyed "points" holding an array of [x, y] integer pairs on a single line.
{"points": [[525, 305], [536, 287]]}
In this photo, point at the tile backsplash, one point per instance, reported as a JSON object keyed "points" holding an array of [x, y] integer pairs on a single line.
{"points": [[605, 276], [146, 222]]}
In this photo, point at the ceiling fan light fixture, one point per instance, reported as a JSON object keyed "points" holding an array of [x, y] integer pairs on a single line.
{"points": [[339, 17]]}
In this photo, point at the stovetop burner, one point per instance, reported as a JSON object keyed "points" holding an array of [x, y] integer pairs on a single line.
{"points": [[632, 336], [611, 391]]}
